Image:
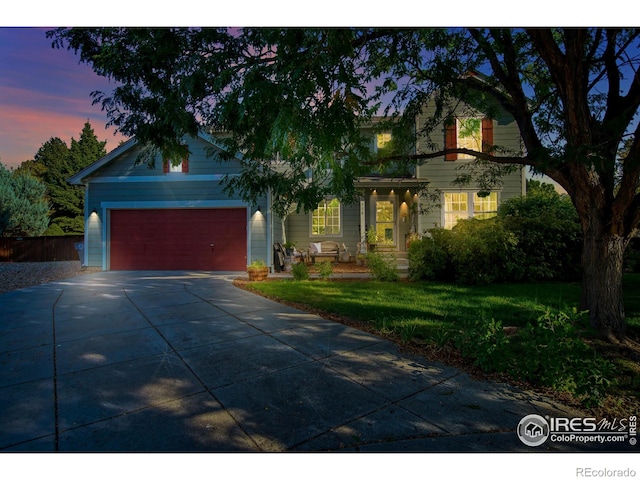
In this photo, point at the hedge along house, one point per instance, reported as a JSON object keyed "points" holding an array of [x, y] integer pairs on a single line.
{"points": [[169, 217], [395, 207]]}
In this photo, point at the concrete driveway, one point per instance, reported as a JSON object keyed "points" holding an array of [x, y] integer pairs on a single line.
{"points": [[186, 362]]}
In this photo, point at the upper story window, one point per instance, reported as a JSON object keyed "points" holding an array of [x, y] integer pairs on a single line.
{"points": [[326, 219], [469, 135], [472, 133], [182, 167], [382, 139], [175, 168]]}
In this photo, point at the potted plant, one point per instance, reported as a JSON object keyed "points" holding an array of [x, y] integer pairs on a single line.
{"points": [[257, 271], [372, 239]]}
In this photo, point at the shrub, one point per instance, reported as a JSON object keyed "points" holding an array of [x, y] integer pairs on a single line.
{"points": [[533, 238], [548, 352], [300, 271], [557, 356], [429, 257], [548, 231], [383, 266], [485, 342], [484, 251], [325, 270]]}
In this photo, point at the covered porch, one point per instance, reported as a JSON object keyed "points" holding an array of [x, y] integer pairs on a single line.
{"points": [[388, 212]]}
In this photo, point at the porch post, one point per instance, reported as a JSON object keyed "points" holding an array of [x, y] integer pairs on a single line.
{"points": [[363, 231]]}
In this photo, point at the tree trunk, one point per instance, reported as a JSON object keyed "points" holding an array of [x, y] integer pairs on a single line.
{"points": [[602, 263]]}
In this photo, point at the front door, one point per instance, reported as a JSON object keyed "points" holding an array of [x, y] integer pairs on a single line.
{"points": [[385, 222]]}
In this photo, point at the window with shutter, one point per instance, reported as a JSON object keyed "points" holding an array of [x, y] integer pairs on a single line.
{"points": [[471, 133], [182, 167]]}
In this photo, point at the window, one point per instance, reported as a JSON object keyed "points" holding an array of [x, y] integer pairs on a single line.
{"points": [[456, 206], [382, 139], [175, 168], [485, 205], [459, 205], [182, 167], [325, 219], [472, 133], [469, 135]]}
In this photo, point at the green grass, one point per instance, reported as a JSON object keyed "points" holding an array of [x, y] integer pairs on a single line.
{"points": [[432, 304], [438, 312], [428, 304]]}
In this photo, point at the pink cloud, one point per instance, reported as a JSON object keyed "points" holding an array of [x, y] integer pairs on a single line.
{"points": [[23, 130], [44, 93]]}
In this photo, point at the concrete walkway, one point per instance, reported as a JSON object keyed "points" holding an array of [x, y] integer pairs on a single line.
{"points": [[186, 362]]}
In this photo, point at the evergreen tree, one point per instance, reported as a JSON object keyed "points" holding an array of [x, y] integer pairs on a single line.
{"points": [[54, 163], [24, 210], [87, 150]]}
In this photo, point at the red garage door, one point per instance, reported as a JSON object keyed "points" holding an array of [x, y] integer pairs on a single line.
{"points": [[179, 239]]}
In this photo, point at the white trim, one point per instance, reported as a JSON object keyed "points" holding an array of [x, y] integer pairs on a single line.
{"points": [[249, 229], [159, 205], [78, 178], [363, 230], [85, 248], [394, 199], [269, 227], [169, 177], [328, 235], [471, 192]]}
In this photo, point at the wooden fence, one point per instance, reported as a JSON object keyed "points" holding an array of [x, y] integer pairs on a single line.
{"points": [[40, 249]]}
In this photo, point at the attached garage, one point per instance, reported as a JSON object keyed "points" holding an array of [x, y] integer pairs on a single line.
{"points": [[212, 239]]}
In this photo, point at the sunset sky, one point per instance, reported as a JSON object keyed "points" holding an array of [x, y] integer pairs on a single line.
{"points": [[44, 93]]}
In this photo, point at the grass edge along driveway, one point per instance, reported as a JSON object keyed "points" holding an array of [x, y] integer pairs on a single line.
{"points": [[528, 334]]}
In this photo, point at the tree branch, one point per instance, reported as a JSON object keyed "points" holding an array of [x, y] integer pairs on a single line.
{"points": [[441, 153]]}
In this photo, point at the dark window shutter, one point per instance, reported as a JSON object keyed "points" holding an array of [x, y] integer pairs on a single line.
{"points": [[487, 135], [450, 140], [185, 165]]}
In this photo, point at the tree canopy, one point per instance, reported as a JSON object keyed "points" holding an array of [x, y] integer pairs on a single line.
{"points": [[54, 164], [301, 96]]}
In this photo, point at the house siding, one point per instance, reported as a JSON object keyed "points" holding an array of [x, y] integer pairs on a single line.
{"points": [[299, 229], [440, 172], [204, 159], [122, 184]]}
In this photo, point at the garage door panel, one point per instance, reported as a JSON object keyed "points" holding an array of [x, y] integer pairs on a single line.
{"points": [[179, 239]]}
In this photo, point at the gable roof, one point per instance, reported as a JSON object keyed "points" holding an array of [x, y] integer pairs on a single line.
{"points": [[79, 178]]}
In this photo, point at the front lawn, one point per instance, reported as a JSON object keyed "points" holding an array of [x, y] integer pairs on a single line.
{"points": [[492, 327]]}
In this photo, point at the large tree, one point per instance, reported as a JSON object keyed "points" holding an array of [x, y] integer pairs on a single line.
{"points": [[300, 96], [54, 163]]}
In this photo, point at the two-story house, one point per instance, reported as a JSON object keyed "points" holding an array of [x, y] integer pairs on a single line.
{"points": [[396, 207], [178, 217]]}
